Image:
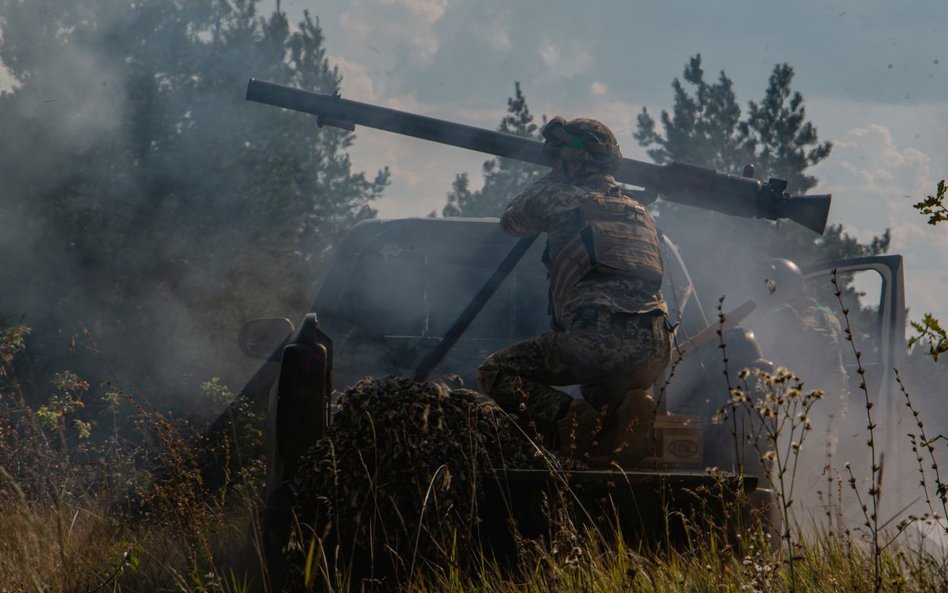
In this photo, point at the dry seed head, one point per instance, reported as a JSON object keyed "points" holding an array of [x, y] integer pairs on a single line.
{"points": [[738, 396]]}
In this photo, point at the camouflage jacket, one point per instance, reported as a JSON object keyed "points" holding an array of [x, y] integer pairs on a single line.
{"points": [[537, 210]]}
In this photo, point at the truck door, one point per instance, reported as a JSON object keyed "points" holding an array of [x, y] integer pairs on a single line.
{"points": [[873, 294]]}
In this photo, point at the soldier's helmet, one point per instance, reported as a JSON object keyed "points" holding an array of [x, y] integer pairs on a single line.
{"points": [[581, 139], [776, 281]]}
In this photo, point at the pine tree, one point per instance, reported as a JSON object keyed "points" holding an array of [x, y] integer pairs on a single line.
{"points": [[705, 128], [776, 133], [503, 178], [148, 197]]}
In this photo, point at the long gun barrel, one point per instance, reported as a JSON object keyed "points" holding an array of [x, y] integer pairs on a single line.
{"points": [[676, 182]]}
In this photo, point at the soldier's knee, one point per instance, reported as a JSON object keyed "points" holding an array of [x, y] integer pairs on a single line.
{"points": [[490, 374], [501, 385]]}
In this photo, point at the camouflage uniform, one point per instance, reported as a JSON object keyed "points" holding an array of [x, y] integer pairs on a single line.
{"points": [[611, 329]]}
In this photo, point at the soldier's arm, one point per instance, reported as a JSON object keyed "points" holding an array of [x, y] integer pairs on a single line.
{"points": [[520, 218], [528, 213]]}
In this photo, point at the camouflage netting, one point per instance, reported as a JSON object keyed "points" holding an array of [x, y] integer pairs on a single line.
{"points": [[403, 473]]}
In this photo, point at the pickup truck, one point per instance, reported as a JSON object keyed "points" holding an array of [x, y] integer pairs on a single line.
{"points": [[396, 286]]}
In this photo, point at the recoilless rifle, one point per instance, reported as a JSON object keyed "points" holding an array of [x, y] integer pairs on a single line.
{"points": [[701, 187], [677, 182]]}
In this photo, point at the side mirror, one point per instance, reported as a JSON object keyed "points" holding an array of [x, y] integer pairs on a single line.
{"points": [[260, 338]]}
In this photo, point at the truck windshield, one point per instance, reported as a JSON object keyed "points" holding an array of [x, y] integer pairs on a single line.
{"points": [[416, 287]]}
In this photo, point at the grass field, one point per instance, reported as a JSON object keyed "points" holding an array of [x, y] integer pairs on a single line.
{"points": [[116, 501]]}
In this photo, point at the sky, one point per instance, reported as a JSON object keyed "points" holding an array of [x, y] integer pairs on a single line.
{"points": [[874, 75]]}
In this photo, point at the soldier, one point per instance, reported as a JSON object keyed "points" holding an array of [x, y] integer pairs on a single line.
{"points": [[611, 334], [794, 330]]}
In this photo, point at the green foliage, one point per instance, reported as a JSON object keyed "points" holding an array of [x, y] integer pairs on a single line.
{"points": [[702, 129], [147, 197], [776, 132], [218, 394], [73, 505], [61, 529], [934, 206], [929, 332], [706, 128], [503, 178], [12, 342]]}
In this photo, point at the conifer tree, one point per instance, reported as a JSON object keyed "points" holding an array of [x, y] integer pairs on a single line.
{"points": [[503, 178], [706, 128], [146, 196]]}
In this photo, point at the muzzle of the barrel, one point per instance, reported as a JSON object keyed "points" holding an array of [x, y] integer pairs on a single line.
{"points": [[810, 211]]}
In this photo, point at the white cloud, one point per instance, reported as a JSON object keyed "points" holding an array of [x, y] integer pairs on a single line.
{"points": [[6, 79], [878, 167], [869, 174], [874, 182], [390, 24], [456, 60], [431, 10], [565, 62], [356, 82], [422, 171], [496, 35], [494, 20]]}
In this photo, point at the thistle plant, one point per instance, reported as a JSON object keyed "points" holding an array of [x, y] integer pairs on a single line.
{"points": [[923, 448], [776, 410], [870, 508]]}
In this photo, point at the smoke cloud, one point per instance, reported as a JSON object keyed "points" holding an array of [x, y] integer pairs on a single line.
{"points": [[151, 209]]}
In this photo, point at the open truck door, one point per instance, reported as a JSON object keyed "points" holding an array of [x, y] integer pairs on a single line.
{"points": [[873, 296]]}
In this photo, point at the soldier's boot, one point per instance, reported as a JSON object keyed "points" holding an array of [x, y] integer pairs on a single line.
{"points": [[579, 429], [627, 438]]}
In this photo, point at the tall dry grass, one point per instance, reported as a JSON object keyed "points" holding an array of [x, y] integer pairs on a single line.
{"points": [[87, 506], [99, 492]]}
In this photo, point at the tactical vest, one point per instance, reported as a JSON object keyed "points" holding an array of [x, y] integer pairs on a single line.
{"points": [[607, 234]]}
